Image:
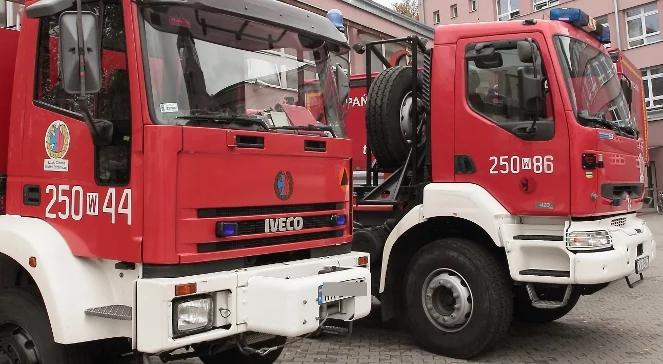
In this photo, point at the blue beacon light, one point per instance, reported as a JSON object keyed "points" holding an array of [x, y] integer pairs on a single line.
{"points": [[580, 19], [336, 17]]}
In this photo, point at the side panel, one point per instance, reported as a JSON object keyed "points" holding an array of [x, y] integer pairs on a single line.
{"points": [[69, 285], [9, 41], [460, 200]]}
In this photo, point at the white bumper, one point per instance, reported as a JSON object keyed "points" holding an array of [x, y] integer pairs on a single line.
{"points": [[278, 299], [549, 261]]}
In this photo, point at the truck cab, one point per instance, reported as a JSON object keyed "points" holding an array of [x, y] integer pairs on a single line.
{"points": [[515, 170], [166, 182]]}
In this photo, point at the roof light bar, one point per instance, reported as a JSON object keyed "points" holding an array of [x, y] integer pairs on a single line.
{"points": [[580, 19]]}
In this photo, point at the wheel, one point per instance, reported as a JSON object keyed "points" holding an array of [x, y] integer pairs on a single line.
{"points": [[524, 311], [26, 336], [389, 117], [458, 298], [234, 356]]}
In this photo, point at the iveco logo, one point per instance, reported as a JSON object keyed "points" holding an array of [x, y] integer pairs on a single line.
{"points": [[283, 224]]}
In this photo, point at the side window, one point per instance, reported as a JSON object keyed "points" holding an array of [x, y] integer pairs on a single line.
{"points": [[112, 103], [507, 84]]}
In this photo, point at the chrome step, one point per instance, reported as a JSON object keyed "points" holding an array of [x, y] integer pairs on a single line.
{"points": [[548, 305], [113, 312]]}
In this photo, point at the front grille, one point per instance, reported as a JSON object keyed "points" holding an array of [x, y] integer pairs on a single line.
{"points": [[618, 222], [258, 226], [254, 243], [267, 210]]}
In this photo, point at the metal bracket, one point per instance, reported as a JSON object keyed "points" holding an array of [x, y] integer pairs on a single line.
{"points": [[548, 305], [634, 283]]}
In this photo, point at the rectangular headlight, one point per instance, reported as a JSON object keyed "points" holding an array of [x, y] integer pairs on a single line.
{"points": [[192, 314], [588, 240]]}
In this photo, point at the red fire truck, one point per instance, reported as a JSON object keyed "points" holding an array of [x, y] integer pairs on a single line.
{"points": [[164, 185], [512, 167]]}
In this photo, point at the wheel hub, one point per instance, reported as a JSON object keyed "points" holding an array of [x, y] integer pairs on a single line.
{"points": [[17, 346], [447, 300], [406, 116]]}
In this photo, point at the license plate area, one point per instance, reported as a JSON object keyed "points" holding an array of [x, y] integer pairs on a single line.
{"points": [[641, 264], [336, 291]]}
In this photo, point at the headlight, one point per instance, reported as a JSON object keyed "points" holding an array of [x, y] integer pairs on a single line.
{"points": [[588, 240], [192, 314]]}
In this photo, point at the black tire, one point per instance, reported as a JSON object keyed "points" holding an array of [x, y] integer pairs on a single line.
{"points": [[26, 336], [234, 356], [523, 310], [490, 296], [383, 124]]}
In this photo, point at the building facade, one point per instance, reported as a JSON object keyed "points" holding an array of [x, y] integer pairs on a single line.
{"points": [[635, 27]]}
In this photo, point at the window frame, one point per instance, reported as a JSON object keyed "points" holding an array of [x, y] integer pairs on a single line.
{"points": [[496, 122], [641, 17], [436, 17], [647, 77], [453, 9], [472, 5], [511, 12]]}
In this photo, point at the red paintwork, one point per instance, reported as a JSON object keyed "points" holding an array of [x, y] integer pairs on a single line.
{"points": [[174, 170], [458, 130], [9, 40]]}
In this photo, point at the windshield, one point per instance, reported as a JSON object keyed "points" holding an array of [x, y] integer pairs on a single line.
{"points": [[213, 69], [594, 86]]}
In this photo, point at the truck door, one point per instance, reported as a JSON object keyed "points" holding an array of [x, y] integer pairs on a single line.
{"points": [[84, 191], [510, 135]]}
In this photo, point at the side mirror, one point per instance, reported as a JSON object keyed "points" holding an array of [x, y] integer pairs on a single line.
{"points": [[342, 84], [627, 90], [69, 62], [525, 51], [44, 8], [485, 57]]}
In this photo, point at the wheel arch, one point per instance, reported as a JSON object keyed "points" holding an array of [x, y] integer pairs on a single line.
{"points": [[459, 210], [66, 285]]}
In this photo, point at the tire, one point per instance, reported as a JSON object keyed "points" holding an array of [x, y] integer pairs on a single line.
{"points": [[26, 336], [486, 287], [388, 141], [523, 310], [234, 356]]}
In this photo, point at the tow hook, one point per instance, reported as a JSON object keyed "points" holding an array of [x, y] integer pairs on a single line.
{"points": [[633, 284]]}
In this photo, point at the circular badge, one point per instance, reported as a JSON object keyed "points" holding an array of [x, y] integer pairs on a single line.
{"points": [[283, 185], [57, 139]]}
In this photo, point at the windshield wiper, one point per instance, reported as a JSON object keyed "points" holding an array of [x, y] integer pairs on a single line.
{"points": [[309, 127], [599, 121], [225, 119]]}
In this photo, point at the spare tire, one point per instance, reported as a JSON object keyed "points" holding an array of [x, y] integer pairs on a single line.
{"points": [[389, 122]]}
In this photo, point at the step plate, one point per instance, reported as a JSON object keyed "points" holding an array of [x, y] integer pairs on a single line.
{"points": [[114, 312]]}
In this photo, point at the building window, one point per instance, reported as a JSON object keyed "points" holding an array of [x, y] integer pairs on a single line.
{"points": [[472, 5], [603, 20], [454, 11], [642, 25], [652, 79], [507, 9], [436, 17], [542, 4]]}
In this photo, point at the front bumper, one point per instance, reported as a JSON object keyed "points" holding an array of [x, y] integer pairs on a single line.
{"points": [[277, 299], [547, 260]]}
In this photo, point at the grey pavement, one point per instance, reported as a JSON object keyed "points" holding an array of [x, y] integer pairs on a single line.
{"points": [[615, 325]]}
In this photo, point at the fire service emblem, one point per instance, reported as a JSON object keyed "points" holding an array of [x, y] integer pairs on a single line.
{"points": [[283, 185]]}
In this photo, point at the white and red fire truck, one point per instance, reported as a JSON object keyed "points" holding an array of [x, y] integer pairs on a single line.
{"points": [[165, 184], [503, 177]]}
